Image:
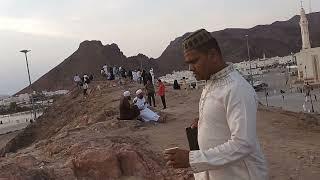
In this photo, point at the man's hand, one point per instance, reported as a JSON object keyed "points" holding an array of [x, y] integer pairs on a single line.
{"points": [[177, 158], [195, 123]]}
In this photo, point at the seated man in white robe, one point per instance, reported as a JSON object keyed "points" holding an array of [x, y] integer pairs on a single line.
{"points": [[145, 113]]}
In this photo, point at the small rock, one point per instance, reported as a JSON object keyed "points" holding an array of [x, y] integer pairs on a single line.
{"points": [[312, 158], [300, 157]]}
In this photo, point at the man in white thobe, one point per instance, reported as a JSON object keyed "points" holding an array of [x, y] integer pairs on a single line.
{"points": [[139, 76], [152, 75], [145, 113], [134, 76], [229, 147], [76, 78]]}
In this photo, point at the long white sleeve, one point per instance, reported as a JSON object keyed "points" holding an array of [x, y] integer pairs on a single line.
{"points": [[140, 103], [240, 107]]}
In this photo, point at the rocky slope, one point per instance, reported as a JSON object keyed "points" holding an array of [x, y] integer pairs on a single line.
{"points": [[81, 138]]}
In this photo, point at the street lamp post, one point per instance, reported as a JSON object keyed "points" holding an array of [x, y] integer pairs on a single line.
{"points": [[32, 100], [312, 108], [306, 77], [266, 94], [249, 58]]}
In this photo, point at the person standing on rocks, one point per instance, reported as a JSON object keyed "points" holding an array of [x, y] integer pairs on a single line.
{"points": [[77, 80], [150, 93], [139, 77], [152, 75], [228, 145], [144, 77], [85, 88], [161, 93]]}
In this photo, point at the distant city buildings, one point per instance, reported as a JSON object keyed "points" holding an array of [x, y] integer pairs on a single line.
{"points": [[22, 98], [54, 93], [260, 66], [308, 58], [178, 75], [25, 98]]}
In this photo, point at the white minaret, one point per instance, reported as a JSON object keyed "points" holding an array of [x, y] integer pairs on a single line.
{"points": [[304, 25]]}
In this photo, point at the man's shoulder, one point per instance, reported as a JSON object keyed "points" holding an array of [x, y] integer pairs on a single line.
{"points": [[238, 79], [239, 84]]}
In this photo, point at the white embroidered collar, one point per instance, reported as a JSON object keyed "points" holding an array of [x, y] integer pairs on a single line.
{"points": [[222, 73]]}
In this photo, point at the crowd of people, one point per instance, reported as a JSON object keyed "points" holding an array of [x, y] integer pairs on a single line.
{"points": [[118, 73], [83, 82], [140, 106]]}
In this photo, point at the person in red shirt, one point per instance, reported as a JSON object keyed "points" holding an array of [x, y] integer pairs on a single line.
{"points": [[161, 93]]}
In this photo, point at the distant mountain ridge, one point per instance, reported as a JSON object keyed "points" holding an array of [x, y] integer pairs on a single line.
{"points": [[277, 39]]}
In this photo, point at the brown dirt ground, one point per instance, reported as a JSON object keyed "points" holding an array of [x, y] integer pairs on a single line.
{"points": [[290, 141]]}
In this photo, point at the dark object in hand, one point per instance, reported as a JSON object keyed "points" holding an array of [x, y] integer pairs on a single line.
{"points": [[192, 135]]}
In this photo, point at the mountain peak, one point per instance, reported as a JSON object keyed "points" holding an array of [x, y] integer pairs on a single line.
{"points": [[92, 43]]}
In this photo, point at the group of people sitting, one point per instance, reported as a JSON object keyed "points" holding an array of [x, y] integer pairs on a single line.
{"points": [[137, 109]]}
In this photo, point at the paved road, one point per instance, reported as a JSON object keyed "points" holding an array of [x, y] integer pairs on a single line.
{"points": [[276, 81], [293, 101], [15, 122], [5, 128]]}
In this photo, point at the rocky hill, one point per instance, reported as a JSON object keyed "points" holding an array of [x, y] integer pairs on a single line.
{"points": [[276, 39], [88, 58]]}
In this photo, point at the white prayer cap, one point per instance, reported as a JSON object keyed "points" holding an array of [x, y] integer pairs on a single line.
{"points": [[126, 94], [138, 92]]}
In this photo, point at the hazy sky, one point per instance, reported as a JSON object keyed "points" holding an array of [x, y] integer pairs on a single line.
{"points": [[53, 29]]}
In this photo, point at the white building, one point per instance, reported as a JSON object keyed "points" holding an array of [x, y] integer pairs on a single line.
{"points": [[22, 98], [178, 75], [53, 93], [308, 58]]}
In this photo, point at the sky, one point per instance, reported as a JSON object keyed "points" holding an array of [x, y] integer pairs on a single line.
{"points": [[53, 29]]}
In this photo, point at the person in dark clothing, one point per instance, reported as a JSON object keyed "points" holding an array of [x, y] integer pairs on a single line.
{"points": [[127, 110], [123, 73], [86, 79], [85, 87], [176, 85], [149, 77], [161, 93], [144, 77], [111, 76], [150, 92], [130, 75]]}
